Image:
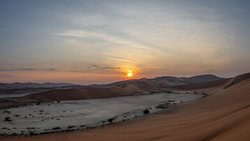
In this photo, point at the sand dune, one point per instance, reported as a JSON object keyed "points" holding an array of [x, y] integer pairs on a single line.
{"points": [[122, 88], [86, 93], [224, 116], [130, 87]]}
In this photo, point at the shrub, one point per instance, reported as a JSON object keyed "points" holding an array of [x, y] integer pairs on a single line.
{"points": [[146, 111], [163, 106], [110, 120], [16, 115], [7, 119], [56, 128]]}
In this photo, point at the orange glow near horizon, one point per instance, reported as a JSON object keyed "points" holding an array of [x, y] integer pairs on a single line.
{"points": [[129, 73]]}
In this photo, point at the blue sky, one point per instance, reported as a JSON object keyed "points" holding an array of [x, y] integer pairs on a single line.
{"points": [[98, 41]]}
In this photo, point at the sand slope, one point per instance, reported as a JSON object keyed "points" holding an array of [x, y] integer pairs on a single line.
{"points": [[86, 93], [222, 116], [129, 87], [122, 88]]}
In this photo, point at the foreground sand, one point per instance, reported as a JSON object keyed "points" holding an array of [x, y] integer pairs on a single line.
{"points": [[222, 116]]}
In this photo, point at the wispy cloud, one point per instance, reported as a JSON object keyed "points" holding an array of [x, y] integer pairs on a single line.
{"points": [[105, 37], [108, 37], [104, 67]]}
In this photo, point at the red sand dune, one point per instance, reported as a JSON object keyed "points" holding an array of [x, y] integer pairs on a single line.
{"points": [[125, 88], [121, 88], [86, 93], [223, 116]]}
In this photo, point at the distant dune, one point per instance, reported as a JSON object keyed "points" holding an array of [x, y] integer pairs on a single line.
{"points": [[223, 116], [202, 78], [65, 91], [86, 93], [238, 79], [201, 85], [129, 87]]}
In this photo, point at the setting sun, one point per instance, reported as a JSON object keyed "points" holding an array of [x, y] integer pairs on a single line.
{"points": [[129, 73]]}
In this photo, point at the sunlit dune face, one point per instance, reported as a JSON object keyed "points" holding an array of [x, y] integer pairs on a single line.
{"points": [[129, 73]]}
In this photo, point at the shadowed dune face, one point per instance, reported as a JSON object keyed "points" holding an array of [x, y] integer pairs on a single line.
{"points": [[224, 116], [86, 93], [238, 79], [203, 85]]}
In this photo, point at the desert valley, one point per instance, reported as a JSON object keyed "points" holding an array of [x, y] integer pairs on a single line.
{"points": [[124, 70], [158, 109]]}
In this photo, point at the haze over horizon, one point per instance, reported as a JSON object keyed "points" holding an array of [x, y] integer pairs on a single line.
{"points": [[95, 41]]}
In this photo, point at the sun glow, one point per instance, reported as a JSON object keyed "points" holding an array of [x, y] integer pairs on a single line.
{"points": [[129, 73]]}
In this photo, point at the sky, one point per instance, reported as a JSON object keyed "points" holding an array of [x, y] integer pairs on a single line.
{"points": [[99, 41]]}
